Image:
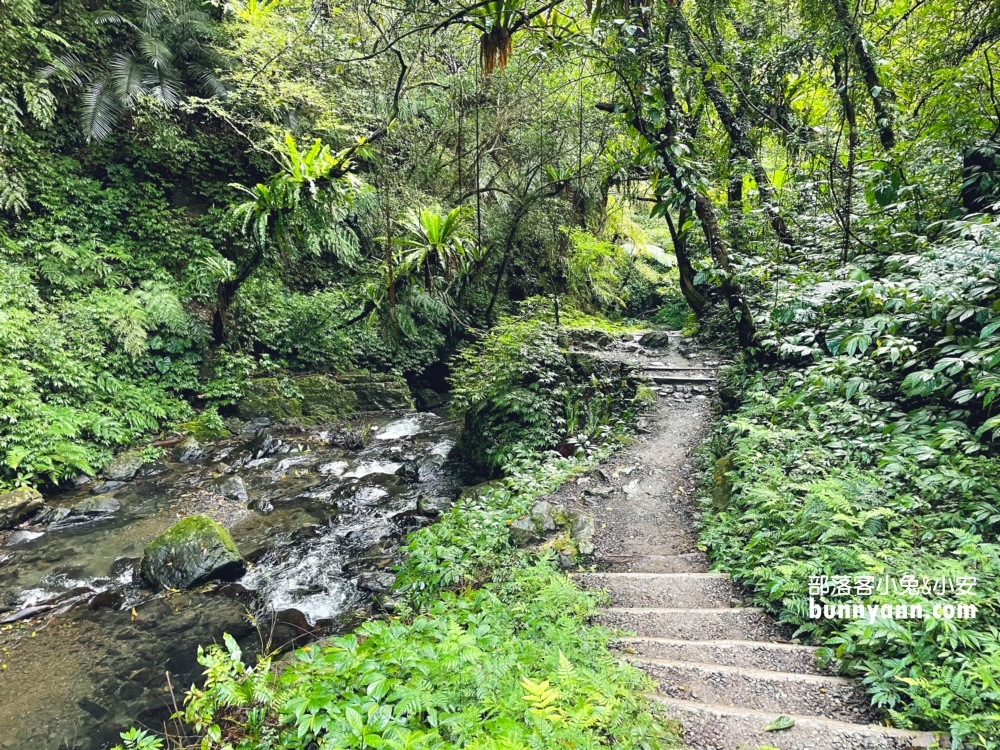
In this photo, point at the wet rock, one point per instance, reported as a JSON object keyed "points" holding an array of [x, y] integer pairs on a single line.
{"points": [[101, 505], [105, 487], [722, 483], [582, 532], [264, 445], [410, 470], [107, 599], [265, 397], [377, 391], [89, 510], [129, 691], [94, 709], [81, 479], [22, 537], [234, 489], [542, 516], [24, 614], [324, 399], [261, 504], [192, 551], [123, 467], [376, 581], [433, 505], [333, 469], [150, 470], [189, 449], [50, 515], [523, 531], [124, 567], [428, 399], [18, 505]]}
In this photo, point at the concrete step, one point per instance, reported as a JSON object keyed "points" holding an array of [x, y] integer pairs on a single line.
{"points": [[690, 562], [662, 589], [713, 727], [730, 624], [783, 692], [777, 657], [681, 380]]}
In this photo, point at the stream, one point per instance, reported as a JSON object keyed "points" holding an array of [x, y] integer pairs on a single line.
{"points": [[93, 659]]}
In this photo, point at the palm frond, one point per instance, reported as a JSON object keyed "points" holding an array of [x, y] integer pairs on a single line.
{"points": [[128, 78], [156, 51], [100, 109], [208, 81]]}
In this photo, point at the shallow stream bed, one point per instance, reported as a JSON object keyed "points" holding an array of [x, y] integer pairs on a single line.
{"points": [[94, 658]]}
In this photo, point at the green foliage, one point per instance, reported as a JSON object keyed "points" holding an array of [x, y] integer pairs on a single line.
{"points": [[509, 664], [520, 391], [169, 47], [870, 453]]}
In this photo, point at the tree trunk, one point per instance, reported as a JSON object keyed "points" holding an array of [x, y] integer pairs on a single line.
{"points": [[737, 136], [882, 97]]}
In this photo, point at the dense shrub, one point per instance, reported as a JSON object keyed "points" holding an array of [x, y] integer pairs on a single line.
{"points": [[520, 390], [869, 452]]}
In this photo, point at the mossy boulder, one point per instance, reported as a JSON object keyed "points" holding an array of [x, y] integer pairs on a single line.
{"points": [[324, 399], [596, 336], [377, 391], [265, 397], [17, 505], [124, 466], [194, 550]]}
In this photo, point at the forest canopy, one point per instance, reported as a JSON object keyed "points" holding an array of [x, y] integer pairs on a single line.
{"points": [[197, 194]]}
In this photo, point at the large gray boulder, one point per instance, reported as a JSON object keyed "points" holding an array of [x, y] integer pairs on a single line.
{"points": [[655, 340], [189, 449], [194, 550], [123, 467], [18, 505]]}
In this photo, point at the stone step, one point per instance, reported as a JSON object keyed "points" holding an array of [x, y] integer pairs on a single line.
{"points": [[760, 689], [713, 727], [681, 380], [662, 589], [690, 562], [777, 657], [731, 624]]}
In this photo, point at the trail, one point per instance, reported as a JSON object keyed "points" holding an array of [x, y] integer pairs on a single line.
{"points": [[725, 671]]}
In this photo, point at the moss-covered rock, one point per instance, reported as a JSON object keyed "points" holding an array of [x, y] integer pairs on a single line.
{"points": [[377, 391], [324, 399], [18, 505], [194, 550], [124, 466], [264, 397]]}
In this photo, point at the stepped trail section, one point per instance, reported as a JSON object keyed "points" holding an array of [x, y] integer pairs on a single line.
{"points": [[725, 671]]}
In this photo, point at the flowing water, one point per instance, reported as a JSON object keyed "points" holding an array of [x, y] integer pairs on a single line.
{"points": [[94, 657]]}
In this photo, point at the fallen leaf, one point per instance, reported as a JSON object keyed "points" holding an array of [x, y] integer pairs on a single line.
{"points": [[782, 722]]}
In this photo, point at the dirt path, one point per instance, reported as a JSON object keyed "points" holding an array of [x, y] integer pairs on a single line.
{"points": [[728, 673]]}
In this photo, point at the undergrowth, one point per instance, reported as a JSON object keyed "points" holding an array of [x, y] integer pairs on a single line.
{"points": [[868, 452], [489, 648]]}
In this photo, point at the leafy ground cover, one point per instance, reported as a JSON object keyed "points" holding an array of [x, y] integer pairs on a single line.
{"points": [[868, 452], [488, 648]]}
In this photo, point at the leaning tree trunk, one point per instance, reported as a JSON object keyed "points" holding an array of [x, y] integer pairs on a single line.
{"points": [[738, 136], [881, 96]]}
